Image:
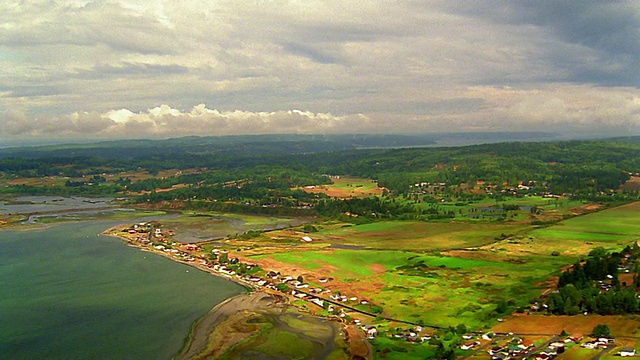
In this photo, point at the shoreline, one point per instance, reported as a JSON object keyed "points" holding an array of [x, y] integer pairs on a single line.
{"points": [[254, 300], [198, 339], [247, 285]]}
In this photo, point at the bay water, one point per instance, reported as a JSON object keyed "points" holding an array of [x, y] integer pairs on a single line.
{"points": [[67, 292]]}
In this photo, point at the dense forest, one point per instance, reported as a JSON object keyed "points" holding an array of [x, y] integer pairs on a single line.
{"points": [[593, 286]]}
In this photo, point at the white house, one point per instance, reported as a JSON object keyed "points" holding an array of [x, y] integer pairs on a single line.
{"points": [[627, 352]]}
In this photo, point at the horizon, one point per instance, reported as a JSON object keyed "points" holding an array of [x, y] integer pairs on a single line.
{"points": [[441, 139], [83, 69]]}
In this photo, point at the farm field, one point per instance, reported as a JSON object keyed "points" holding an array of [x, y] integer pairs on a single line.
{"points": [[611, 228], [419, 235], [620, 325], [347, 187], [441, 273]]}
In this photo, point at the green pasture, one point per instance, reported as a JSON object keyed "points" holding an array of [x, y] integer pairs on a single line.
{"points": [[351, 183], [350, 263], [449, 296], [420, 235], [400, 349], [621, 220], [611, 228], [436, 290]]}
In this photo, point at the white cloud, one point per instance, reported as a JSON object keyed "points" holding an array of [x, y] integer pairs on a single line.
{"points": [[164, 121]]}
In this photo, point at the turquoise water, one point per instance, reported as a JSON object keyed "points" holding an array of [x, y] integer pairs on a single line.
{"points": [[67, 293]]}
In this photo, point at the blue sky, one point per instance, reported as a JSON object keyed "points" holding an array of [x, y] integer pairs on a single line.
{"points": [[118, 69]]}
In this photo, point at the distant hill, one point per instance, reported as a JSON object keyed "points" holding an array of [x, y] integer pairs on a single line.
{"points": [[265, 144]]}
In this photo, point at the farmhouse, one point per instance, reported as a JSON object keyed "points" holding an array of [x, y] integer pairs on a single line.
{"points": [[627, 352]]}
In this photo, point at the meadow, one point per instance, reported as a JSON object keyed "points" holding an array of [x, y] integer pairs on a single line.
{"points": [[444, 273]]}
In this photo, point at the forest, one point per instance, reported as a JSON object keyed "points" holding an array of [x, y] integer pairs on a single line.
{"points": [[270, 170]]}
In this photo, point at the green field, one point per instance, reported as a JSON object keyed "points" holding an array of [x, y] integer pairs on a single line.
{"points": [[446, 273], [612, 229], [437, 290], [420, 235]]}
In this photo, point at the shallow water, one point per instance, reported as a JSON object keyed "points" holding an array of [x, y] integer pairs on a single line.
{"points": [[68, 293], [31, 204]]}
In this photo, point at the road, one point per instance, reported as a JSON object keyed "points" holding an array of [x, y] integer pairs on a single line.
{"points": [[535, 349], [603, 352], [481, 348]]}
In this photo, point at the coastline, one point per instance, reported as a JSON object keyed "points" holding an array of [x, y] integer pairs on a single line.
{"points": [[198, 342], [211, 335], [247, 285]]}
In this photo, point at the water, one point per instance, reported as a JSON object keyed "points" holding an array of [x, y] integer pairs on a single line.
{"points": [[29, 204], [67, 293]]}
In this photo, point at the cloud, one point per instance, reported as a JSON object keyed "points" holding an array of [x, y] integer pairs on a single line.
{"points": [[164, 121], [405, 65], [16, 123], [595, 41]]}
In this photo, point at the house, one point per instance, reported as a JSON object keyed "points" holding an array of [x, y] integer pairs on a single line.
{"points": [[371, 332], [576, 337], [524, 345], [306, 239], [488, 336], [627, 352], [469, 345]]}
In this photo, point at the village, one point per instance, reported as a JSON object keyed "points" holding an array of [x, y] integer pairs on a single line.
{"points": [[356, 313]]}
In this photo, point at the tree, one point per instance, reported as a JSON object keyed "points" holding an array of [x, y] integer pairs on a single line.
{"points": [[601, 330], [598, 252], [461, 329]]}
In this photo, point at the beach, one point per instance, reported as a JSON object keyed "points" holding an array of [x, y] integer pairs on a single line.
{"points": [[208, 340]]}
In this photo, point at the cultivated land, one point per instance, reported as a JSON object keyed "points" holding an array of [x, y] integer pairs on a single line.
{"points": [[347, 187]]}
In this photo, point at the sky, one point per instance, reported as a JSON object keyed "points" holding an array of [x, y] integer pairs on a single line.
{"points": [[74, 69]]}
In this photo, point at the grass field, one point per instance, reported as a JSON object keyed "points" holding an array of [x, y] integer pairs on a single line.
{"points": [[417, 287], [612, 229], [446, 273], [420, 235]]}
